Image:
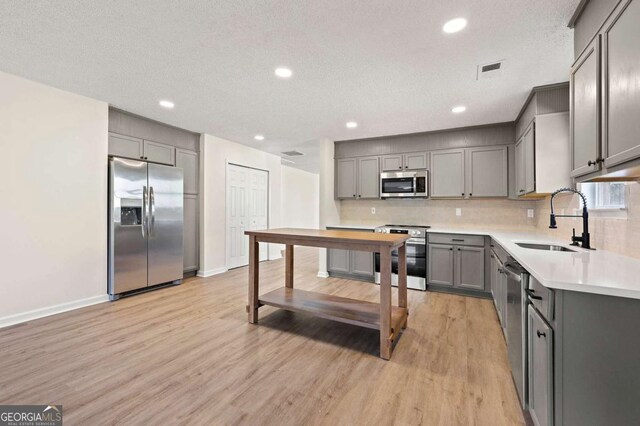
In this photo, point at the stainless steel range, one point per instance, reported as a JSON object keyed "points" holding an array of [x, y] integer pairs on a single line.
{"points": [[416, 255]]}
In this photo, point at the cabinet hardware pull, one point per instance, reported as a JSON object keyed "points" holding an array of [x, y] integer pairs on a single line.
{"points": [[400, 167], [463, 194], [451, 249], [540, 334], [458, 239], [531, 295], [596, 162], [470, 194]]}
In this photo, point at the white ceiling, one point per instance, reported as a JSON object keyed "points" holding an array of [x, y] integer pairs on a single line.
{"points": [[385, 64]]}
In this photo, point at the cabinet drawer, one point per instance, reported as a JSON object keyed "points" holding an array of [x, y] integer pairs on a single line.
{"points": [[542, 298], [462, 240]]}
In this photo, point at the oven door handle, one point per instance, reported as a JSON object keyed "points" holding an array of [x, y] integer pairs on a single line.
{"points": [[416, 241]]}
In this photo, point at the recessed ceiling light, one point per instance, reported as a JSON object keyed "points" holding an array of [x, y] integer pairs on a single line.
{"points": [[166, 104], [454, 25], [352, 124], [259, 137], [283, 72], [458, 109]]}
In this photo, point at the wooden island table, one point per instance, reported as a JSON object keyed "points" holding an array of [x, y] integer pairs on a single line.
{"points": [[390, 320]]}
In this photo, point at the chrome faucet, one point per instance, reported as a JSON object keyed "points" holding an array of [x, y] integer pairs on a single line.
{"points": [[585, 239]]}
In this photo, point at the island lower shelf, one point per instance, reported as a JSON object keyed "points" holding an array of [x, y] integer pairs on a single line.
{"points": [[342, 309]]}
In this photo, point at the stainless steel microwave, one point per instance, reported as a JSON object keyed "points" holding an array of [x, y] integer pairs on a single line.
{"points": [[407, 184]]}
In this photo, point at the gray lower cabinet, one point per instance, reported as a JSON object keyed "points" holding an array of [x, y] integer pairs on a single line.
{"points": [[361, 263], [487, 172], [540, 366], [350, 263], [188, 162], [346, 178], [456, 266], [621, 68], [440, 268], [159, 153], [447, 174], [585, 111], [368, 177], [125, 146], [190, 236], [469, 267], [339, 260]]}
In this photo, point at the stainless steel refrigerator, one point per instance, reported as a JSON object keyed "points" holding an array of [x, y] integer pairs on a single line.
{"points": [[145, 225]]}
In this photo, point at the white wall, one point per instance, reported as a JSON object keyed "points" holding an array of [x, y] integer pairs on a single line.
{"points": [[215, 153], [300, 198], [53, 200]]}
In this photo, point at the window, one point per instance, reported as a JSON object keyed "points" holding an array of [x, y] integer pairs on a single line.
{"points": [[605, 195]]}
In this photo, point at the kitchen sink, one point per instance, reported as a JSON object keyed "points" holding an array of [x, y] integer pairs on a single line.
{"points": [[548, 247]]}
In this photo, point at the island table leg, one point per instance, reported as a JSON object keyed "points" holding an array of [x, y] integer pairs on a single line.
{"points": [[288, 274], [254, 278], [402, 278], [385, 303]]}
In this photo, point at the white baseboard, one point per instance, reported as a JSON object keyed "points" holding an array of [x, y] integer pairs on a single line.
{"points": [[51, 310], [211, 272], [323, 274]]}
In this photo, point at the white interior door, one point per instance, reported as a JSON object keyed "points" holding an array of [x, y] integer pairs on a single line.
{"points": [[247, 209]]}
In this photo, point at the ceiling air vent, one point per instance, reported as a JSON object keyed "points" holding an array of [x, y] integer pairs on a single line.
{"points": [[491, 70], [292, 153]]}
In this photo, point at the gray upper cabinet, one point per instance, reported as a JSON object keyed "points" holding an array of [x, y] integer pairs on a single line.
{"points": [[415, 161], [487, 172], [391, 163], [440, 268], [159, 153], [188, 162], [412, 161], [621, 87], [520, 167], [346, 178], [368, 181], [529, 159], [447, 174], [540, 369], [585, 111], [125, 146], [190, 236], [469, 264]]}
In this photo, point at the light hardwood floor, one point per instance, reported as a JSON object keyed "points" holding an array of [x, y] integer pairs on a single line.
{"points": [[187, 355]]}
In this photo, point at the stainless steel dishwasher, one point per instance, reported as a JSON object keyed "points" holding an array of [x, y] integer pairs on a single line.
{"points": [[517, 282]]}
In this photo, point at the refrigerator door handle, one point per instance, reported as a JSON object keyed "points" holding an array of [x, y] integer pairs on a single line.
{"points": [[144, 210], [152, 209]]}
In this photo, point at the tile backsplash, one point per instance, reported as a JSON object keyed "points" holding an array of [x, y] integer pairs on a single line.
{"points": [[494, 213], [620, 234]]}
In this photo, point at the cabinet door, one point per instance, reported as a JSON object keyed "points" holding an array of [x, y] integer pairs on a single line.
{"points": [[540, 369], [362, 263], [415, 161], [585, 111], [346, 178], [440, 270], [391, 163], [159, 153], [621, 84], [125, 146], [190, 236], [188, 161], [447, 174], [339, 260], [487, 172], [494, 277], [368, 177], [520, 167], [469, 267], [529, 159]]}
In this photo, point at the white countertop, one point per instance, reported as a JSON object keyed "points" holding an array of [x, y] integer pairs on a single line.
{"points": [[587, 271]]}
